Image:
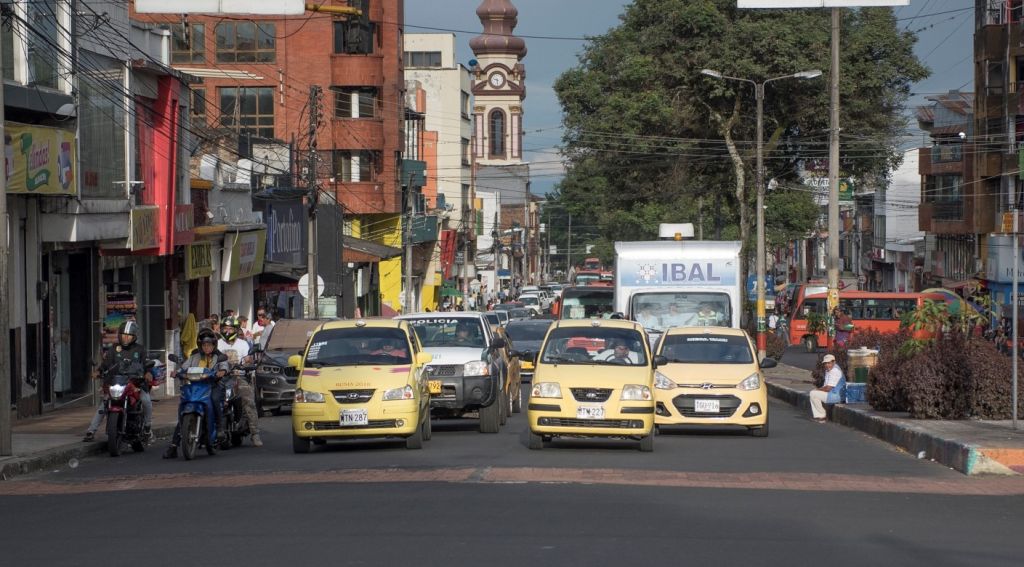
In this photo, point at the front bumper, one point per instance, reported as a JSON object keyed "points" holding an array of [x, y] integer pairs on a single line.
{"points": [[386, 419], [465, 392], [736, 407], [276, 390], [561, 416]]}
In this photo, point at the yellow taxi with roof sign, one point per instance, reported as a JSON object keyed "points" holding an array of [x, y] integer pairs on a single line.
{"points": [[710, 376], [361, 379], [593, 378]]}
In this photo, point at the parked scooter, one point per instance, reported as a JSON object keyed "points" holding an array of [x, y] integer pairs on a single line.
{"points": [[195, 411], [122, 386]]}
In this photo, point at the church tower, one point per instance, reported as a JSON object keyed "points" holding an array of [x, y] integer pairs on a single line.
{"points": [[499, 86]]}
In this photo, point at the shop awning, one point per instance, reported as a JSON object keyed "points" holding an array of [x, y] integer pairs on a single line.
{"points": [[369, 251]]}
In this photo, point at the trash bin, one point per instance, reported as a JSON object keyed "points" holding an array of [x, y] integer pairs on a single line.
{"points": [[861, 360]]}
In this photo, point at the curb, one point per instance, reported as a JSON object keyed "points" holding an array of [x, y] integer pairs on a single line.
{"points": [[59, 456], [958, 455]]}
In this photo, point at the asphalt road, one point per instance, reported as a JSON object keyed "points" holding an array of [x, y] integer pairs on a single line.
{"points": [[808, 494]]}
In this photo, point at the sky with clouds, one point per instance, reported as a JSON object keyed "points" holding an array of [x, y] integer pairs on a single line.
{"points": [[945, 29]]}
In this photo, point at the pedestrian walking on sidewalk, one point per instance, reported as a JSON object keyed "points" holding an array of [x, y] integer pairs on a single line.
{"points": [[819, 396]]}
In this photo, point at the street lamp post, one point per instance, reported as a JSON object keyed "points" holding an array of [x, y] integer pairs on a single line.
{"points": [[759, 283]]}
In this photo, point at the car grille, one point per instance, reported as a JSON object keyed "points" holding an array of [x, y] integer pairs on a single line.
{"points": [[352, 396], [593, 423], [591, 394], [291, 372], [727, 405], [336, 426], [448, 392], [708, 386], [443, 370]]}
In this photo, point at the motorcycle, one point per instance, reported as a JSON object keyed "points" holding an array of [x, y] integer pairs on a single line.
{"points": [[196, 420], [236, 426], [122, 386]]}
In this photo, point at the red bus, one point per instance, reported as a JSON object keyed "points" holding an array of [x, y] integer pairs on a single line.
{"points": [[868, 310]]}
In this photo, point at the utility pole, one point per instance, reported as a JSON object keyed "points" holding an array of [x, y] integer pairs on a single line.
{"points": [[568, 250], [314, 198], [1016, 307], [408, 248], [833, 171], [6, 441], [759, 283]]}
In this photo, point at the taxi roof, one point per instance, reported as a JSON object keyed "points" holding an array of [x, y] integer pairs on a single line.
{"points": [[369, 322], [604, 323], [706, 330]]}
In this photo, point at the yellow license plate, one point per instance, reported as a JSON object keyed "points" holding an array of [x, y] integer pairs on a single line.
{"points": [[435, 386]]}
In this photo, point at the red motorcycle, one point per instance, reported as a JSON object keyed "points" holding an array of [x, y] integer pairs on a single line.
{"points": [[122, 386]]}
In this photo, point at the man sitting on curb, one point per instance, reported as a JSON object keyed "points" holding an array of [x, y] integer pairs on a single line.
{"points": [[820, 396]]}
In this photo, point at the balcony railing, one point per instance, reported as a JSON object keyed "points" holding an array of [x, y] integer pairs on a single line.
{"points": [[945, 153], [948, 210]]}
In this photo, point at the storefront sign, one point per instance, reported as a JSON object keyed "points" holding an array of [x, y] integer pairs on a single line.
{"points": [[286, 232], [198, 260], [144, 234], [184, 223], [40, 160], [1000, 260], [243, 254]]}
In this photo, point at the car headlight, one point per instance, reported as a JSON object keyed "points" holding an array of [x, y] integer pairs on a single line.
{"points": [[635, 392], [475, 368], [302, 396], [663, 382], [269, 369], [404, 393], [546, 390], [751, 382]]}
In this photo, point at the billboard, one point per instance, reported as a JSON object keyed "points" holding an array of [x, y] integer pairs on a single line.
{"points": [[818, 3], [278, 7], [39, 160]]}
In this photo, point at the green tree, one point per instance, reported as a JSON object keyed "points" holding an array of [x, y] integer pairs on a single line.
{"points": [[650, 139]]}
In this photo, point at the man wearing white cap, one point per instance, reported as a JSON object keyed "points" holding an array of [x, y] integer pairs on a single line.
{"points": [[833, 376]]}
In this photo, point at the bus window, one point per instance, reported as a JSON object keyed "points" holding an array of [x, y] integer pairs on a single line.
{"points": [[903, 306], [878, 309], [811, 306]]}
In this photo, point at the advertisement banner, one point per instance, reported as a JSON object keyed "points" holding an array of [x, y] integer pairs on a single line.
{"points": [[198, 260], [717, 272], [39, 160], [243, 255], [144, 234], [286, 232]]}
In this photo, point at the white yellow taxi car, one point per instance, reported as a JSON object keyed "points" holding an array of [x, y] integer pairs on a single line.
{"points": [[360, 379], [585, 392], [710, 376]]}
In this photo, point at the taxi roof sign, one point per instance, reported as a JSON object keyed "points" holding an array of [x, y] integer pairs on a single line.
{"points": [[260, 7]]}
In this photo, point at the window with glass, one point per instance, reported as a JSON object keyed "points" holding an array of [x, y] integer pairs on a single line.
{"points": [[497, 133], [449, 332], [465, 151], [353, 166], [358, 346], [465, 105], [101, 124], [430, 59], [707, 349], [246, 42], [355, 35], [248, 109], [43, 70], [188, 43], [356, 102], [683, 309], [7, 37], [595, 345], [197, 106]]}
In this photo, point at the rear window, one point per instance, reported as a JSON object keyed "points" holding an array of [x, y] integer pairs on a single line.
{"points": [[707, 349], [355, 346], [449, 332], [492, 318], [527, 332]]}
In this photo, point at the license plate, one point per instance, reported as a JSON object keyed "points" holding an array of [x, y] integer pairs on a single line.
{"points": [[705, 406], [590, 412], [354, 417], [435, 386]]}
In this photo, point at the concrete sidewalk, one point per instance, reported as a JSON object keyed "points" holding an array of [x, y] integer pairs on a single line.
{"points": [[969, 446], [54, 439]]}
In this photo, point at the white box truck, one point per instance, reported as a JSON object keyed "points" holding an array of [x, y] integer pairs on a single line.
{"points": [[672, 283]]}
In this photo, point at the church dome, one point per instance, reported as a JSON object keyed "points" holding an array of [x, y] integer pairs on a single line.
{"points": [[499, 18]]}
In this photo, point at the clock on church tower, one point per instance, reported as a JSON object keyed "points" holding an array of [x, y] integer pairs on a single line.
{"points": [[499, 85]]}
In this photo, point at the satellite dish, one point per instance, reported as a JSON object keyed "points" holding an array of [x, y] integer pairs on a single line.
{"points": [[472, 63]]}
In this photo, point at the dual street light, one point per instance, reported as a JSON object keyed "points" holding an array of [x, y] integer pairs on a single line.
{"points": [[762, 337]]}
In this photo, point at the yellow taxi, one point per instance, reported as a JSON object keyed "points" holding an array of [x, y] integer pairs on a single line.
{"points": [[361, 379], [710, 376], [593, 378]]}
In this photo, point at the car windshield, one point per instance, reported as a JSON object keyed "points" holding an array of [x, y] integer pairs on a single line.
{"points": [[707, 349], [358, 345], [492, 318], [528, 332], [684, 309], [595, 345], [528, 299], [449, 332], [585, 304]]}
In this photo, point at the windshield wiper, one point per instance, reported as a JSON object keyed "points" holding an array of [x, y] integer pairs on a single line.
{"points": [[568, 360]]}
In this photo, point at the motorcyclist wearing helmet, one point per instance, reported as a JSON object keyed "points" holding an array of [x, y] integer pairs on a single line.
{"points": [[127, 353], [205, 356], [234, 345]]}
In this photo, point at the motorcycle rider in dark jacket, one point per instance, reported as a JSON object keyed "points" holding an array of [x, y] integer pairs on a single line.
{"points": [[125, 355]]}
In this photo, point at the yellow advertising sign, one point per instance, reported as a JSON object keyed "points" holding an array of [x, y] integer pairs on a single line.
{"points": [[39, 160], [244, 254], [198, 260], [144, 233]]}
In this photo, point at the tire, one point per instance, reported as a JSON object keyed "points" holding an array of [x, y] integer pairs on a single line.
{"points": [[300, 444], [236, 439], [138, 446], [647, 443], [517, 402], [490, 417], [536, 442], [506, 408], [761, 431], [415, 441], [810, 344], [429, 431], [114, 433], [190, 433]]}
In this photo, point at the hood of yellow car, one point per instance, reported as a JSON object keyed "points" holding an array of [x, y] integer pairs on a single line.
{"points": [[718, 374], [355, 377], [593, 375]]}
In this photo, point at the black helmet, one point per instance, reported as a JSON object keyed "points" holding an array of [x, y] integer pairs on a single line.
{"points": [[231, 322], [206, 336], [130, 328]]}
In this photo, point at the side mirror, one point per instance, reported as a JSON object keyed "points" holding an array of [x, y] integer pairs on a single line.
{"points": [[423, 358], [295, 361], [769, 363], [498, 343], [660, 361], [172, 357]]}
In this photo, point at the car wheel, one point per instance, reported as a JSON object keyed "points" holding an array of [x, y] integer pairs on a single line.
{"points": [[415, 441], [503, 401], [490, 417], [517, 403], [647, 443], [536, 442], [810, 344], [761, 431], [428, 432], [300, 444]]}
